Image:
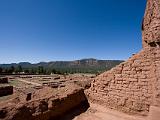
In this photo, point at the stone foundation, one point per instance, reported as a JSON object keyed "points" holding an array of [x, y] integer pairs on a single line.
{"points": [[6, 90], [45, 108], [4, 80]]}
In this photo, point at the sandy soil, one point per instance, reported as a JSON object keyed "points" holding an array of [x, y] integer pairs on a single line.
{"points": [[28, 82], [97, 112]]}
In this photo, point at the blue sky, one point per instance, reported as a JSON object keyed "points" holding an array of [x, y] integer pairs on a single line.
{"points": [[49, 30]]}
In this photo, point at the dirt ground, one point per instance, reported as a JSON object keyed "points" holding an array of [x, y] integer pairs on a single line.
{"points": [[24, 84], [98, 112]]}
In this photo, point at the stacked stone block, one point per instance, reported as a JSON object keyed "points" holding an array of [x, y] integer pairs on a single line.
{"points": [[151, 24], [126, 87], [4, 80], [6, 90], [134, 86]]}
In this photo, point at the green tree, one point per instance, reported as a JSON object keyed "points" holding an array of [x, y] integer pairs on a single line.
{"points": [[19, 69], [54, 71], [1, 70], [32, 71], [26, 71], [40, 70], [11, 69]]}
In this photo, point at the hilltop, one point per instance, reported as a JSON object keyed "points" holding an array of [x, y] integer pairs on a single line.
{"points": [[83, 66]]}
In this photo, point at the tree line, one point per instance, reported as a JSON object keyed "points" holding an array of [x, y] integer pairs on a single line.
{"points": [[35, 70], [40, 70]]}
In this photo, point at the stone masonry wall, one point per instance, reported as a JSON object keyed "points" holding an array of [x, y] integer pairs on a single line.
{"points": [[4, 80], [151, 23], [47, 106], [134, 85], [6, 90], [156, 79], [129, 87]]}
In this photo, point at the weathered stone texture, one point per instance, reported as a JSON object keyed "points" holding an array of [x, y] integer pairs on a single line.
{"points": [[134, 85], [151, 24], [6, 90], [4, 80], [131, 86], [45, 106]]}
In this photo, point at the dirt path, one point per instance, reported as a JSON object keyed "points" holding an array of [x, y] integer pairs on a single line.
{"points": [[97, 112], [28, 82]]}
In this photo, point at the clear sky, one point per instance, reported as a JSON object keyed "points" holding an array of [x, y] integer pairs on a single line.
{"points": [[49, 30]]}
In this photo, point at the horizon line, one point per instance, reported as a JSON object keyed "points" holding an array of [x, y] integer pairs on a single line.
{"points": [[47, 61]]}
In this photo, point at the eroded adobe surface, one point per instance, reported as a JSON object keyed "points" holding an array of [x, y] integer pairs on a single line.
{"points": [[134, 85], [46, 104], [6, 90], [151, 24], [3, 80], [131, 86]]}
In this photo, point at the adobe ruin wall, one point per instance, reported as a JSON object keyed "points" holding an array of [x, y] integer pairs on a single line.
{"points": [[134, 86], [6, 90], [129, 87], [46, 106]]}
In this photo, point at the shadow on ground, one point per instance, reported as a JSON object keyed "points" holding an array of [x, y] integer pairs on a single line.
{"points": [[70, 115]]}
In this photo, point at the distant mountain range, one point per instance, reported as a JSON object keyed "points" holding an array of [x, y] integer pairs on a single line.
{"points": [[86, 65]]}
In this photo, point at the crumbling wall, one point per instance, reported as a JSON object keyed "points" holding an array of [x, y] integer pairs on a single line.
{"points": [[4, 80], [44, 108], [134, 85], [156, 79], [130, 86], [6, 90], [151, 24]]}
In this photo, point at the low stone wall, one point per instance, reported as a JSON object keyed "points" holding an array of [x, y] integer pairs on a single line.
{"points": [[4, 80], [44, 108], [132, 86], [6, 90]]}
